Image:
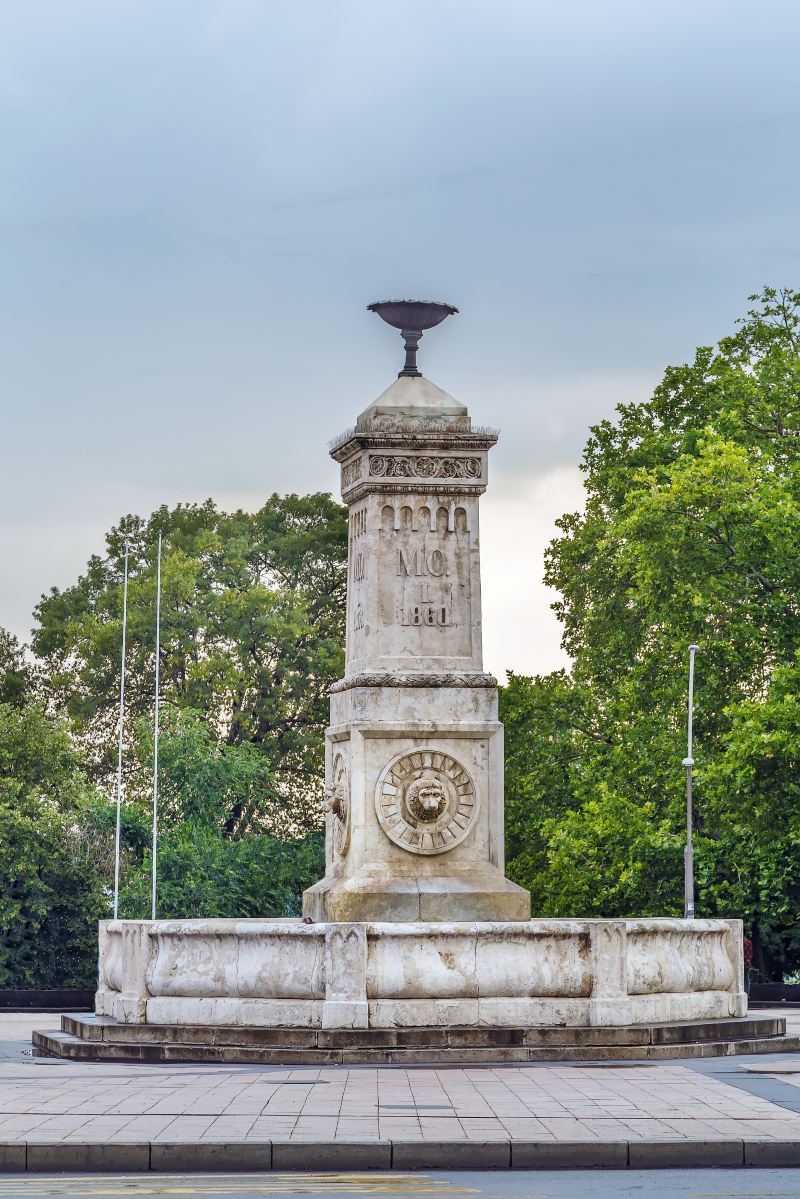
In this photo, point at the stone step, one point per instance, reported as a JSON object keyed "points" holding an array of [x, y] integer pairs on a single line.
{"points": [[97, 1028], [67, 1045]]}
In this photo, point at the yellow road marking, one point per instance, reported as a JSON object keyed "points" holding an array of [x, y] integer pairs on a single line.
{"points": [[319, 1175], [64, 1186], [237, 1184]]}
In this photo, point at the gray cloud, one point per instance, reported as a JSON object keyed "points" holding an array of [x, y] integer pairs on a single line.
{"points": [[200, 198]]}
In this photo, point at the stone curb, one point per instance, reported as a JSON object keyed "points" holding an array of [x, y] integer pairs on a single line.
{"points": [[264, 1156]]}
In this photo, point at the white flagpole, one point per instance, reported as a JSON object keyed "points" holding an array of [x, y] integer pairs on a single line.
{"points": [[121, 719], [688, 762], [155, 726]]}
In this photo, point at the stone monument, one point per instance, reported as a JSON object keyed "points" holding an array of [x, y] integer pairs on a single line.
{"points": [[414, 754], [414, 942]]}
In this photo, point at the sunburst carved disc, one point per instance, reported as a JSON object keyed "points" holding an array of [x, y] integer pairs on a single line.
{"points": [[426, 801]]}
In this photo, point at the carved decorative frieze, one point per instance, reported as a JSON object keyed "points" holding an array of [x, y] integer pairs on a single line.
{"points": [[337, 802], [351, 472], [387, 423], [454, 679], [423, 466]]}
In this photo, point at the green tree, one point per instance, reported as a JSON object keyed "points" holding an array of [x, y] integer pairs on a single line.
{"points": [[252, 634], [52, 872], [202, 873], [15, 673], [750, 855], [690, 533], [544, 723]]}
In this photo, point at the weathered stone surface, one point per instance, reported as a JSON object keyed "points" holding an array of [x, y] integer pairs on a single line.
{"points": [[532, 974], [12, 1158], [772, 1153], [414, 763], [191, 1156], [333, 1155], [421, 1046]]}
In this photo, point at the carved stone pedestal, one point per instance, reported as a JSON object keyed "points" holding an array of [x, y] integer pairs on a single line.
{"points": [[414, 766]]}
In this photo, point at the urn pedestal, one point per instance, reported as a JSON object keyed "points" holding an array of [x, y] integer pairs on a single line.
{"points": [[414, 757]]}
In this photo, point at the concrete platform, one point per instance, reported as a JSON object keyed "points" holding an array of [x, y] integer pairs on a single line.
{"points": [[96, 1038], [59, 1114]]}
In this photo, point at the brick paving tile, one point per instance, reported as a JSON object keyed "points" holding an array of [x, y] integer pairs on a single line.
{"points": [[441, 1129], [659, 1130], [12, 1125], [125, 1101], [528, 1129], [185, 1127], [361, 1129], [776, 1129], [139, 1129], [320, 1128], [399, 1127], [231, 1128], [264, 1130], [485, 1130], [564, 1129], [283, 1104]]}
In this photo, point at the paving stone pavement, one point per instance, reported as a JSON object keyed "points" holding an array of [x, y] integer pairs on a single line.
{"points": [[50, 1101]]}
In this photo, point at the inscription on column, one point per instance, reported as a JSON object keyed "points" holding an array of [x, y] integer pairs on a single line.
{"points": [[424, 576], [428, 608], [358, 569], [421, 562]]}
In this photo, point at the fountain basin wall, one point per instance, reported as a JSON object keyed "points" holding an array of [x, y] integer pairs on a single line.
{"points": [[268, 973]]}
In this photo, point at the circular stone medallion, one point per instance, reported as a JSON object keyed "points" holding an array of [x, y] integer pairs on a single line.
{"points": [[426, 801]]}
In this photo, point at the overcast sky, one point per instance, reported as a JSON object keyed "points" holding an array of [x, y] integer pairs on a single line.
{"points": [[198, 198]]}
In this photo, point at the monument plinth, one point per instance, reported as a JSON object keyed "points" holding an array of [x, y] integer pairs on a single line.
{"points": [[414, 752]]}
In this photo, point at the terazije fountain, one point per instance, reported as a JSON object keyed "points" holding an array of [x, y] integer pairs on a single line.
{"points": [[414, 942]]}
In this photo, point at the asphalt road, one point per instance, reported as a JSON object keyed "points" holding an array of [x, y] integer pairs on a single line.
{"points": [[511, 1184]]}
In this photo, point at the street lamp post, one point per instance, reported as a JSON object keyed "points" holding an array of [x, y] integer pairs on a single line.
{"points": [[688, 762]]}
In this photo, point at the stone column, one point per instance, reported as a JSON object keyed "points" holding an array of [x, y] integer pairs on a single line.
{"points": [[345, 1003], [126, 950], [414, 762], [609, 1002], [734, 947]]}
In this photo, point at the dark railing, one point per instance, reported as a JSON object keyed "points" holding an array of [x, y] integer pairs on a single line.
{"points": [[775, 992], [64, 998]]}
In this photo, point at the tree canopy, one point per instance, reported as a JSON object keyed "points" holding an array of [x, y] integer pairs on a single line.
{"points": [[252, 629], [252, 624], [51, 865], [689, 534]]}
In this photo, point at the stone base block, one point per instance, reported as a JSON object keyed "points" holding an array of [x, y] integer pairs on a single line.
{"points": [[485, 896], [345, 1014]]}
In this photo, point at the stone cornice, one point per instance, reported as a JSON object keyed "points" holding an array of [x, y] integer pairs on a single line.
{"points": [[386, 679], [413, 442], [419, 487]]}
